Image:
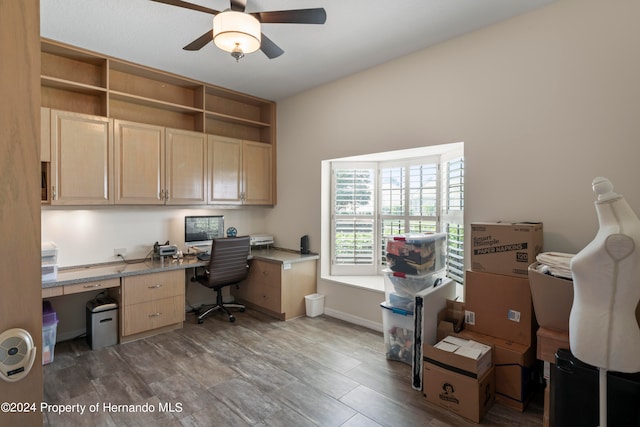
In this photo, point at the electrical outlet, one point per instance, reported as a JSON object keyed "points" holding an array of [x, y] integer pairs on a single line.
{"points": [[119, 251]]}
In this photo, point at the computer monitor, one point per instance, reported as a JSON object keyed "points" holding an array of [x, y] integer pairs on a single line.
{"points": [[199, 231]]}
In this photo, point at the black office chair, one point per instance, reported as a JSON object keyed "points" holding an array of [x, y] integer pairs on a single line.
{"points": [[227, 266]]}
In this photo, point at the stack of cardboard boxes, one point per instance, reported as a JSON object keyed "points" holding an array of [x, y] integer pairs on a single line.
{"points": [[498, 313], [498, 302]]}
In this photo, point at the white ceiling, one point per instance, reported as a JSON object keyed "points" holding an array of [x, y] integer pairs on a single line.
{"points": [[358, 34]]}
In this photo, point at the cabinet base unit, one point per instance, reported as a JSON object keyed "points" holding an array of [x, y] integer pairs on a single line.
{"points": [[574, 394]]}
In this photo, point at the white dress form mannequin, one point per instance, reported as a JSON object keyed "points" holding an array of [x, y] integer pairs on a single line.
{"points": [[603, 330]]}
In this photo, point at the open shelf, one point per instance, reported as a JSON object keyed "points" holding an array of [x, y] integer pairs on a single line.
{"points": [[76, 80]]}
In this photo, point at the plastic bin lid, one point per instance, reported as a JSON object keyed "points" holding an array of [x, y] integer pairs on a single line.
{"points": [[397, 310], [418, 238], [49, 317]]}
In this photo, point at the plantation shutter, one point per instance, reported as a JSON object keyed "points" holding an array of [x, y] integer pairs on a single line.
{"points": [[353, 220]]}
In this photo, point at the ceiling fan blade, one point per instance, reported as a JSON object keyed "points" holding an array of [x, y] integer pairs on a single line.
{"points": [[238, 5], [187, 5], [269, 48], [200, 42], [299, 16]]}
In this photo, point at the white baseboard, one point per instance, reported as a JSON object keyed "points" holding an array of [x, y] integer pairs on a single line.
{"points": [[353, 319]]}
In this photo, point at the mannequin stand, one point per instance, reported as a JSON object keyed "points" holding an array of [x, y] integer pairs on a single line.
{"points": [[603, 396]]}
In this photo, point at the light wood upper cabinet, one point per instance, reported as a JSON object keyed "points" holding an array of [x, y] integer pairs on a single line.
{"points": [[225, 170], [159, 166], [186, 167], [139, 163], [240, 172], [160, 152], [81, 159], [257, 173]]}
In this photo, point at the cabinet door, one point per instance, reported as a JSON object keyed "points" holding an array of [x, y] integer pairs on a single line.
{"points": [[139, 163], [151, 315], [186, 168], [265, 284], [81, 159], [45, 134], [257, 185], [298, 280], [225, 170]]}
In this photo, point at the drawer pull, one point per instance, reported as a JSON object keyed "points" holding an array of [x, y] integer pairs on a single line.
{"points": [[97, 285], [154, 286], [155, 314]]}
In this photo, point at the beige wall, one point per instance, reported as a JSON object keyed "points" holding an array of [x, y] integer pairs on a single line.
{"points": [[544, 103], [20, 304]]}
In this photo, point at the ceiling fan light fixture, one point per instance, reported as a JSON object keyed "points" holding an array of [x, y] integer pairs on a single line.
{"points": [[236, 32]]}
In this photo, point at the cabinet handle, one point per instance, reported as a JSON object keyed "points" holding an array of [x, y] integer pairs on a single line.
{"points": [[162, 194], [166, 195], [98, 285], [155, 314], [154, 286], [53, 193]]}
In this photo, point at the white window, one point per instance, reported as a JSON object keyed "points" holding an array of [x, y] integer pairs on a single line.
{"points": [[373, 200]]}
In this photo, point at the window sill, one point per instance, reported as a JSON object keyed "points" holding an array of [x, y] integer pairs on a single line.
{"points": [[373, 283]]}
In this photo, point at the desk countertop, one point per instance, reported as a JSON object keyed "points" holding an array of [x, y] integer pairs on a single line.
{"points": [[88, 273]]}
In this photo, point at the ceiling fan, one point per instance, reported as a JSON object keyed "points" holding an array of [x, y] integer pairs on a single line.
{"points": [[239, 32]]}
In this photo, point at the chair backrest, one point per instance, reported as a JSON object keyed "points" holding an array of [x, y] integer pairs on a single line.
{"points": [[228, 262]]}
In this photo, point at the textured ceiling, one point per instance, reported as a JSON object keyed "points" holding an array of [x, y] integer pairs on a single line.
{"points": [[358, 34]]}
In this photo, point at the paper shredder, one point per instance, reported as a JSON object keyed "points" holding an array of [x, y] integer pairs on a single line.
{"points": [[102, 322]]}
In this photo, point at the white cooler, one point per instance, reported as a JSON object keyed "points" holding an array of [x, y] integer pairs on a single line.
{"points": [[428, 304], [421, 323]]}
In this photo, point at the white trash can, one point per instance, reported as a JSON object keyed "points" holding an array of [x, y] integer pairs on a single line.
{"points": [[314, 304]]}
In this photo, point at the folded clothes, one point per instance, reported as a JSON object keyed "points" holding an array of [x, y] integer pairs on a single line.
{"points": [[556, 263]]}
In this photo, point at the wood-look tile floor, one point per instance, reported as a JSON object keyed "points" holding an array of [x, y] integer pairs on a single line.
{"points": [[257, 371]]}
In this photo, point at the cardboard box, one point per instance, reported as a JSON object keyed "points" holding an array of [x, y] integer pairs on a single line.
{"points": [[549, 341], [515, 369], [473, 357], [552, 299], [505, 247], [466, 396], [499, 306], [418, 254], [450, 319]]}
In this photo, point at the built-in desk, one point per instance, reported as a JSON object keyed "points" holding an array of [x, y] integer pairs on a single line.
{"points": [[150, 294]]}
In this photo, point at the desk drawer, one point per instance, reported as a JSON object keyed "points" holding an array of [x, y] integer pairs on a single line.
{"points": [[149, 287], [150, 315], [91, 286]]}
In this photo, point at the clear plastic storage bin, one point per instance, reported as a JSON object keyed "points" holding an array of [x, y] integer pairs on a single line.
{"points": [[417, 254], [49, 330], [400, 288], [398, 333]]}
